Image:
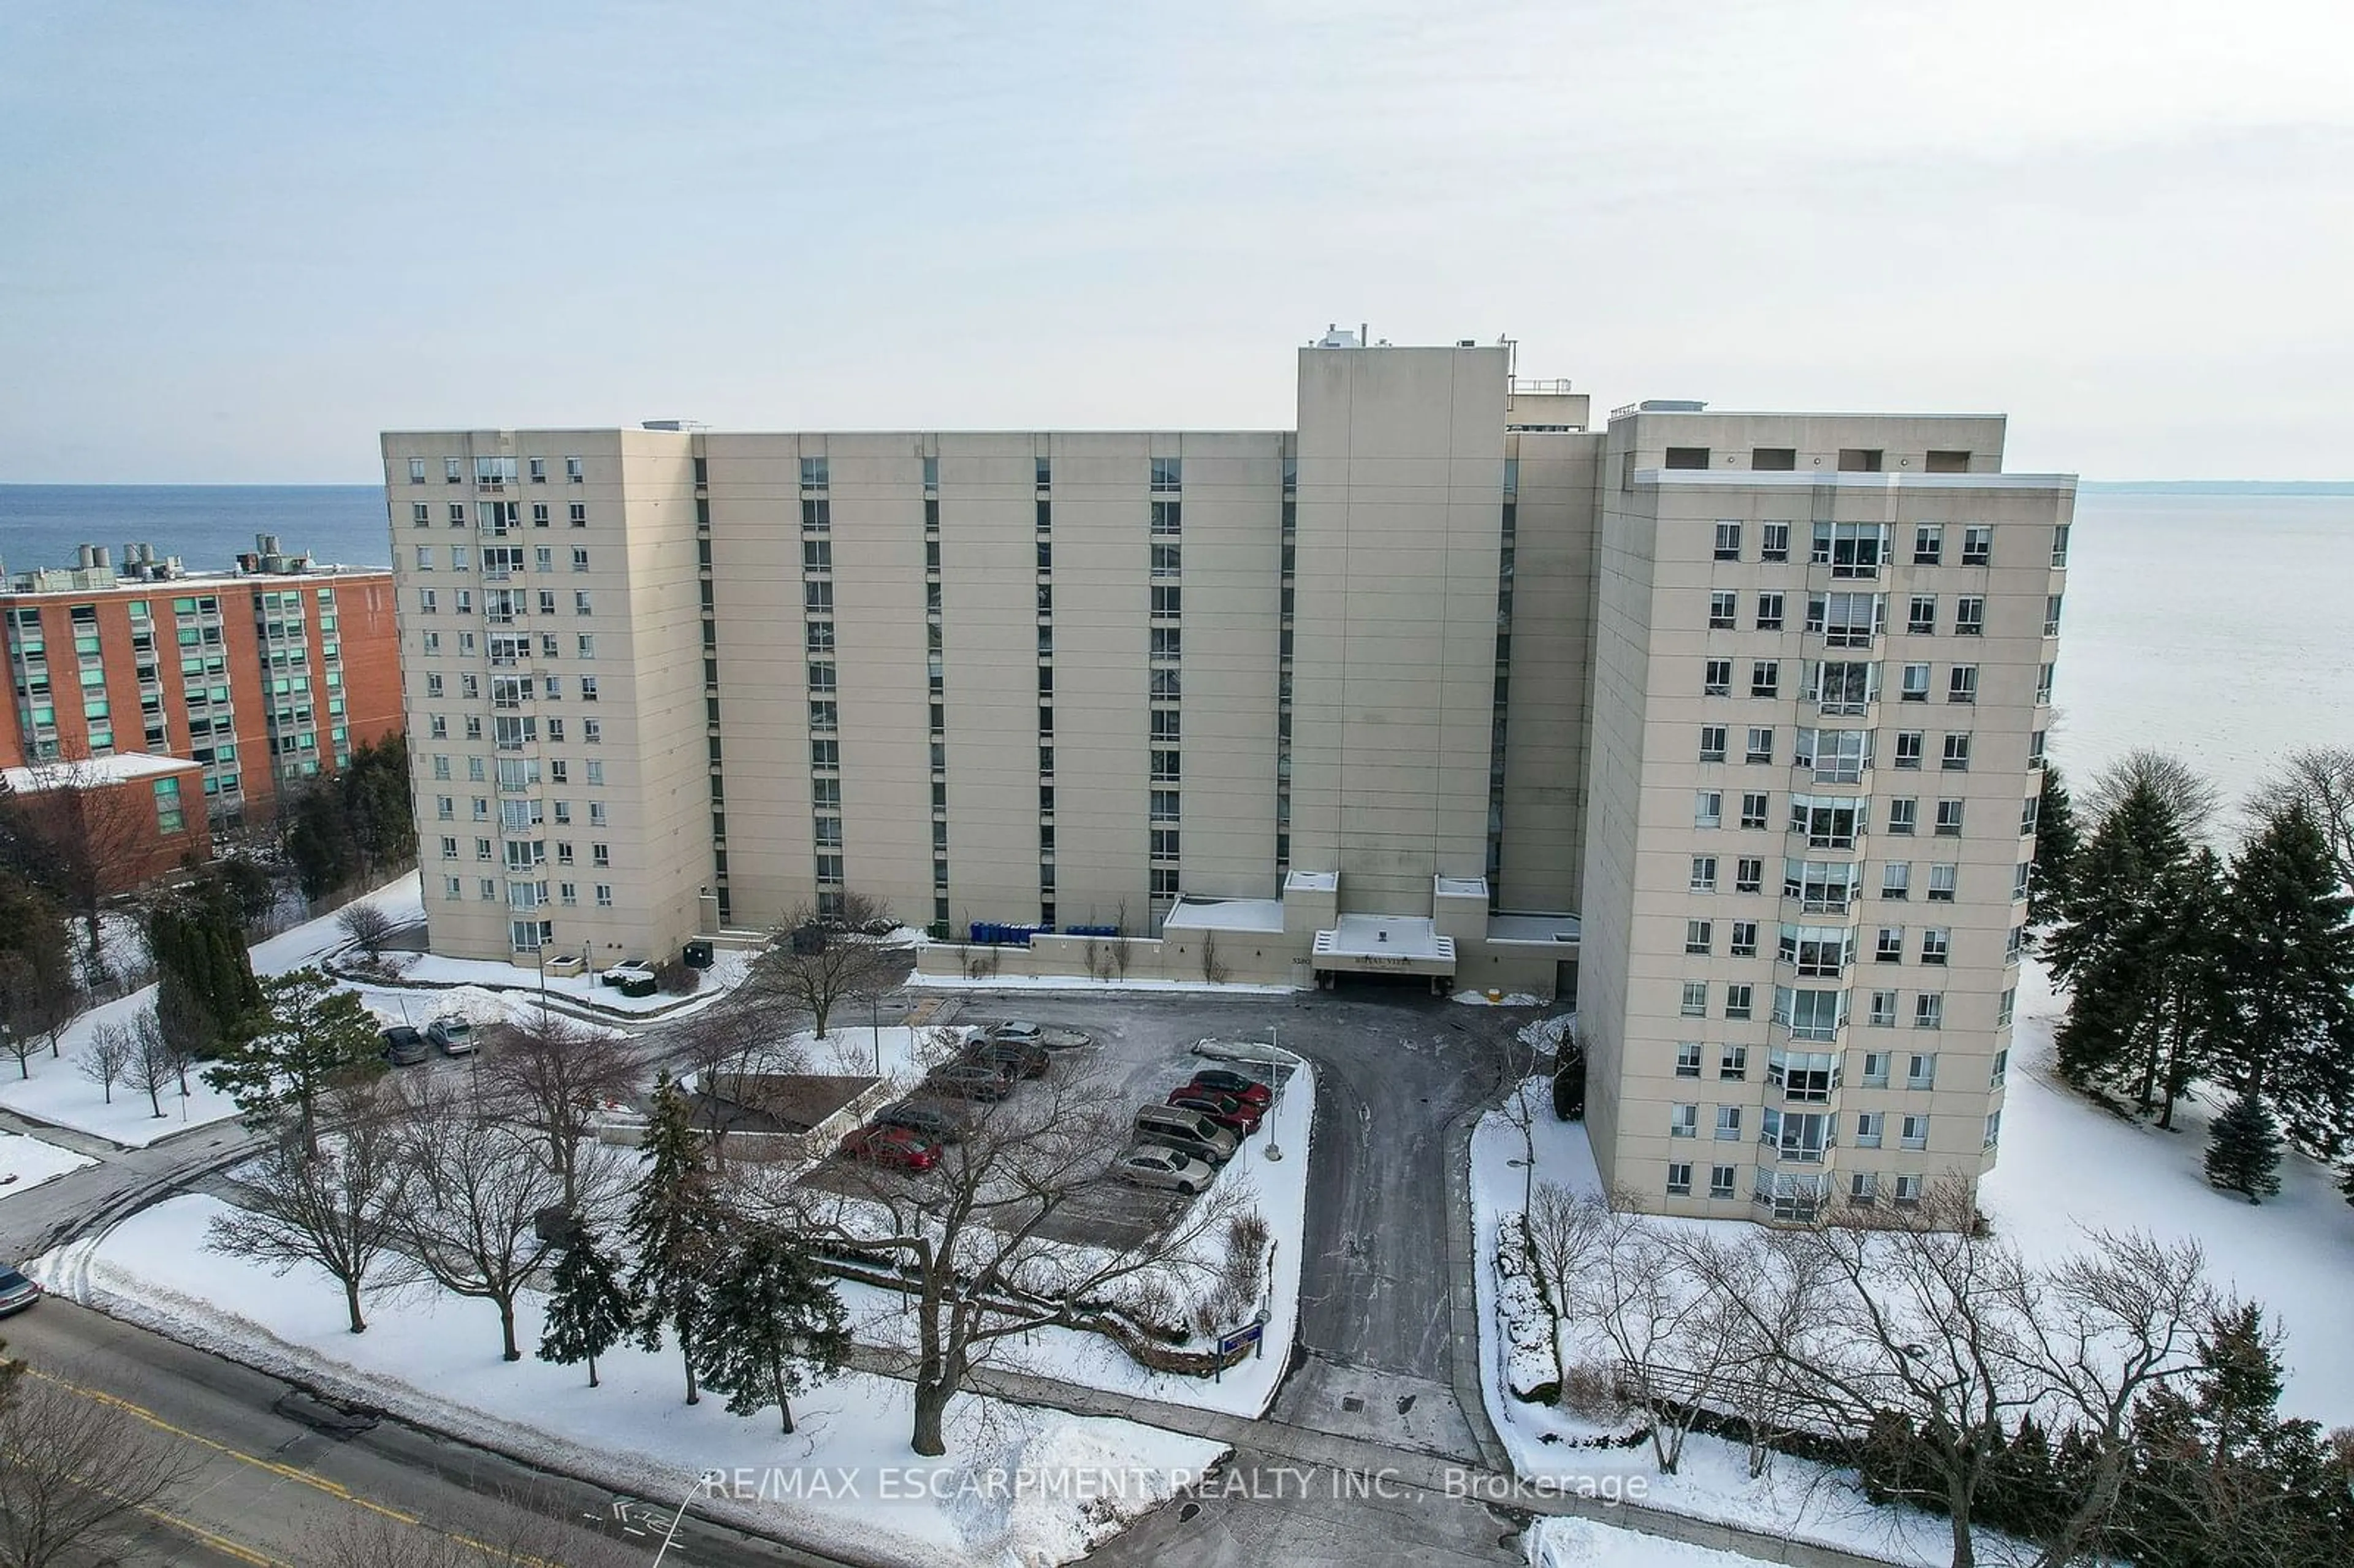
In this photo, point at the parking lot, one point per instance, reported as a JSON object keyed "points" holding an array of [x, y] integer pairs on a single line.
{"points": [[1127, 1064]]}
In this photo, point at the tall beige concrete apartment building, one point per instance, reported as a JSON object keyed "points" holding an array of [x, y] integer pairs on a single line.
{"points": [[1734, 721]]}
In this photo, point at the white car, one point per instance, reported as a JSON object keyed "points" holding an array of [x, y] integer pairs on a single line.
{"points": [[628, 969], [1052, 1037], [1149, 1166], [453, 1035]]}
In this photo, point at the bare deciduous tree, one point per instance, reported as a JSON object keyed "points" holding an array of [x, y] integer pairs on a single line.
{"points": [[495, 1531], [2186, 791], [2321, 779], [971, 1236], [341, 1209], [471, 1195], [1213, 968], [72, 1463], [367, 926], [815, 969], [103, 1060], [158, 1060], [1565, 1233], [554, 1076]]}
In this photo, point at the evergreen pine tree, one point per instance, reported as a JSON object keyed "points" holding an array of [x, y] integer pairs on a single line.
{"points": [[2114, 945], [588, 1313], [2055, 853], [2245, 1151], [2291, 961], [1569, 1084], [311, 1035], [773, 1325], [673, 1228]]}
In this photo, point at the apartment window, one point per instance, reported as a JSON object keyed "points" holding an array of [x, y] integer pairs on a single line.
{"points": [[1765, 677], [1721, 1179], [483, 849], [1703, 873], [1769, 611], [587, 689], [1716, 678], [421, 514], [1908, 747], [1164, 767], [445, 808], [1728, 1124], [1728, 541], [417, 471], [1912, 1132], [1928, 545], [1683, 1121], [1896, 880], [1958, 754], [1749, 875], [1168, 474], [1774, 542], [1890, 948], [432, 683], [1969, 616], [539, 520], [2043, 676], [577, 515], [1685, 458], [1961, 683], [1850, 549], [1922, 618], [1724, 608], [1913, 683], [1754, 809], [1942, 879], [1869, 1126], [1698, 942], [1708, 808], [581, 604], [1744, 944], [815, 473], [1977, 545], [1164, 881], [1929, 1011], [1738, 1000], [1679, 1176], [1733, 1062], [1761, 744], [2001, 1069], [451, 471], [1688, 1059], [1937, 945], [1712, 742], [2021, 876], [1949, 819], [1168, 601], [1695, 1003], [1875, 1063]]}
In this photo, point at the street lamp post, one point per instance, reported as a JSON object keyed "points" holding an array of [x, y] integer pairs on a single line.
{"points": [[1274, 1106], [874, 1015]]}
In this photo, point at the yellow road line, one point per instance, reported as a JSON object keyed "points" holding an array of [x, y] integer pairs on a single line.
{"points": [[287, 1472], [220, 1543]]}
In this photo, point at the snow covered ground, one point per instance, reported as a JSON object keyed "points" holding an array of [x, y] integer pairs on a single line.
{"points": [[2068, 1166], [1280, 1192], [726, 972], [1582, 1543], [1510, 999], [1021, 1486], [59, 1093], [27, 1162]]}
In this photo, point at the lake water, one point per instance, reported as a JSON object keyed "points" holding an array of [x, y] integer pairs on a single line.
{"points": [[2213, 624]]}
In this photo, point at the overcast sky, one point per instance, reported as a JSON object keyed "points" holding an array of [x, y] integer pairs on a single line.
{"points": [[237, 240]]}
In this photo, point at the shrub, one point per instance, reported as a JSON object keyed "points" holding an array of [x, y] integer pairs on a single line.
{"points": [[677, 977]]}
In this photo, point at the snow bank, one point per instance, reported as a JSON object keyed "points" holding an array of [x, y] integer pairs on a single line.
{"points": [[1022, 1486], [27, 1162], [1582, 1543], [920, 981], [1514, 998]]}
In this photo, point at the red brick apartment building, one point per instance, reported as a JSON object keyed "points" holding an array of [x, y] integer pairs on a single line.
{"points": [[259, 676]]}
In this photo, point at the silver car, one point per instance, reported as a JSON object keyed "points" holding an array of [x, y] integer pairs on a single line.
{"points": [[1051, 1036], [453, 1035], [1149, 1165], [16, 1292]]}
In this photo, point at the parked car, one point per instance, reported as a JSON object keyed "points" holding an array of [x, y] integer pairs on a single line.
{"points": [[1152, 1165], [628, 970], [1228, 1112], [1186, 1131], [881, 1143], [971, 1081], [455, 1036], [1048, 1036], [936, 1121], [1012, 1055], [16, 1292], [1248, 1090], [405, 1047]]}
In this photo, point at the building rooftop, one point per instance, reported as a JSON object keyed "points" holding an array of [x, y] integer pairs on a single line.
{"points": [[92, 772], [1311, 882], [1227, 915], [1545, 928], [1384, 937]]}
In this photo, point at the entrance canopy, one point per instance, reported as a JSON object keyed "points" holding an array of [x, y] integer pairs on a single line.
{"points": [[1384, 944]]}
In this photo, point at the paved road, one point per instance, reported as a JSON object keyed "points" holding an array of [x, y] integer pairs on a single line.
{"points": [[263, 1483]]}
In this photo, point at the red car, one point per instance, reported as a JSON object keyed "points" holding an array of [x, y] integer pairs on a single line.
{"points": [[1234, 1085], [1224, 1109], [885, 1145]]}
